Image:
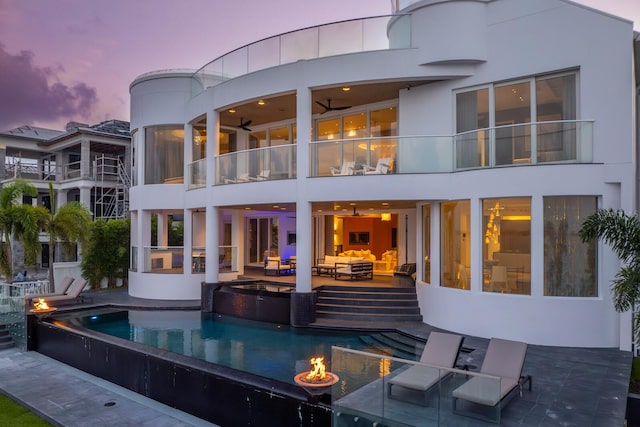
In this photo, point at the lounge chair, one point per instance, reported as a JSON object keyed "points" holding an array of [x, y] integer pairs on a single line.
{"points": [[345, 169], [441, 351], [275, 264], [64, 286], [382, 167], [243, 177], [504, 359], [262, 176], [71, 296]]}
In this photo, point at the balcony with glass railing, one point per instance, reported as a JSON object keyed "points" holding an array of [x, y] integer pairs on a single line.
{"points": [[337, 38], [567, 141], [197, 174], [260, 164]]}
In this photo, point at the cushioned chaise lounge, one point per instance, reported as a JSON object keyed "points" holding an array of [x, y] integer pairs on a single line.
{"points": [[504, 359], [274, 264], [441, 351], [71, 296], [63, 286]]}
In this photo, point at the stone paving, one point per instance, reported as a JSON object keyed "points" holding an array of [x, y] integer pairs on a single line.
{"points": [[571, 386]]}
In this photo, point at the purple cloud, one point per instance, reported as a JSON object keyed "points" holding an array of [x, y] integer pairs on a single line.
{"points": [[27, 96]]}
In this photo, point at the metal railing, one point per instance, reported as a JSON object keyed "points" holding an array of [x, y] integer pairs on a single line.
{"points": [[260, 164], [337, 38], [568, 141]]}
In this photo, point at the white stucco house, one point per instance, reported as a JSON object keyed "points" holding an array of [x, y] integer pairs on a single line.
{"points": [[470, 137]]}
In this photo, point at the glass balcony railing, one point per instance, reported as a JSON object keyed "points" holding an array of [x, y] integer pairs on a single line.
{"points": [[260, 164], [197, 174], [315, 42], [164, 259], [374, 389], [523, 144]]}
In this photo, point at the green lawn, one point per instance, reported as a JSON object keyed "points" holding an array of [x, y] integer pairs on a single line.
{"points": [[14, 415]]}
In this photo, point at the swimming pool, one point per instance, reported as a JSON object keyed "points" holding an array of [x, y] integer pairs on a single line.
{"points": [[266, 349]]}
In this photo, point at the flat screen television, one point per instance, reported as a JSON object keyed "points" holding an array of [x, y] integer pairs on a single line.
{"points": [[358, 237]]}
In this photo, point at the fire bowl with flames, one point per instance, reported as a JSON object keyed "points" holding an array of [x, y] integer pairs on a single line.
{"points": [[41, 308], [317, 379]]}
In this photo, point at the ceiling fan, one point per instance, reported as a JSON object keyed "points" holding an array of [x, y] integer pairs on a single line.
{"points": [[245, 125], [327, 107]]}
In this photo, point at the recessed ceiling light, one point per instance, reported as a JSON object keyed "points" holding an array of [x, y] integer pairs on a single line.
{"points": [[283, 209], [346, 89], [276, 206], [232, 111], [261, 102], [385, 204], [319, 210], [247, 209], [352, 204]]}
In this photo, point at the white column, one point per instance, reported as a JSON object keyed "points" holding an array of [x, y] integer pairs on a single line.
{"points": [[211, 256], [187, 241], [213, 137], [144, 237], [85, 159], [303, 206], [163, 229], [85, 197], [237, 241]]}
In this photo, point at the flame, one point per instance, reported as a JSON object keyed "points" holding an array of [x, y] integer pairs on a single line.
{"points": [[41, 305], [318, 372]]}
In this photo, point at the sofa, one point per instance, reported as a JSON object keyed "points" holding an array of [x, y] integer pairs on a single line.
{"points": [[362, 254]]}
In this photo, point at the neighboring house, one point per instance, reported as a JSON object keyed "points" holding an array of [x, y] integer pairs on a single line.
{"points": [[89, 164], [469, 137]]}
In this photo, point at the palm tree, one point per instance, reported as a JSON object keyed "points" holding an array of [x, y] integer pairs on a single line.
{"points": [[68, 225], [622, 233], [17, 222]]}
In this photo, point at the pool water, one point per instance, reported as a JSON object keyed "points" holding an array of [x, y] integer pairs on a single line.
{"points": [[274, 351]]}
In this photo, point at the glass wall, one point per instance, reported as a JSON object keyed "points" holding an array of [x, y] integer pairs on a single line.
{"points": [[536, 114], [556, 101], [455, 244], [472, 113], [426, 243], [164, 155], [506, 252], [569, 264], [199, 143]]}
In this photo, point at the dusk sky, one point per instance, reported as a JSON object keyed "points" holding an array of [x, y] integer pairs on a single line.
{"points": [[73, 60]]}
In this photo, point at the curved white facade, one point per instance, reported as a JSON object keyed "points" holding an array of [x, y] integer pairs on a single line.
{"points": [[501, 121]]}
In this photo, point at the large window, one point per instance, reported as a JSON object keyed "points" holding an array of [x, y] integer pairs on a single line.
{"points": [[455, 244], [548, 101], [506, 250], [164, 155], [569, 264]]}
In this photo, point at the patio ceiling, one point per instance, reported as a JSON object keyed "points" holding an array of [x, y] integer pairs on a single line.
{"points": [[344, 207]]}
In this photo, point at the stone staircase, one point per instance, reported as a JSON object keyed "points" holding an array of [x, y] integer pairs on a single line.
{"points": [[367, 304], [6, 341]]}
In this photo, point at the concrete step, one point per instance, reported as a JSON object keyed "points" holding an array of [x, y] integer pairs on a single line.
{"points": [[374, 309], [367, 301], [369, 317]]}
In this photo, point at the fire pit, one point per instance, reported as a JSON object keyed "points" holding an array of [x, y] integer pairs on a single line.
{"points": [[317, 379], [41, 308]]}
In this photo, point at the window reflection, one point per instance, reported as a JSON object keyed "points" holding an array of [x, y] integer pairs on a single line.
{"points": [[569, 264], [506, 250], [455, 251]]}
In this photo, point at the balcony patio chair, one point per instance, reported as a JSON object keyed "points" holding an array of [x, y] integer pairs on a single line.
{"points": [[382, 167], [504, 359], [71, 296], [275, 265], [347, 168], [262, 176], [441, 351], [243, 177]]}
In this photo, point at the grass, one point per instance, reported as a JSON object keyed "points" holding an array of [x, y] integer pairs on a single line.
{"points": [[15, 415]]}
